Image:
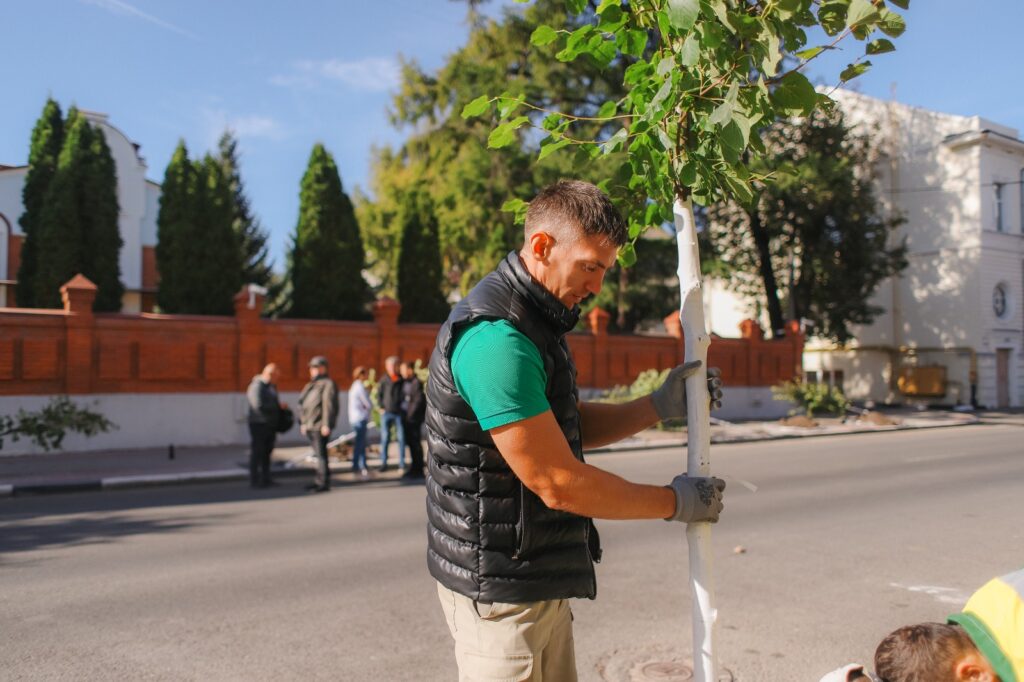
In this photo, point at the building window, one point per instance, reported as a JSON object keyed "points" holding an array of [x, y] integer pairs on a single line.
{"points": [[999, 206], [999, 302], [1020, 186]]}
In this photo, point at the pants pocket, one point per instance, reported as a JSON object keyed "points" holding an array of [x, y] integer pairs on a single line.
{"points": [[476, 666]]}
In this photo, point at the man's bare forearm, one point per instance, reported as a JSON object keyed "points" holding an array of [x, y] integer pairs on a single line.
{"points": [[600, 494], [604, 423]]}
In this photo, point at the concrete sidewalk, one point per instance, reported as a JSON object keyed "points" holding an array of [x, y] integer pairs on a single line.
{"points": [[70, 471]]}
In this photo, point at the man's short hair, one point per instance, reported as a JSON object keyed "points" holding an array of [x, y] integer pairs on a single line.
{"points": [[571, 208], [358, 372], [926, 652]]}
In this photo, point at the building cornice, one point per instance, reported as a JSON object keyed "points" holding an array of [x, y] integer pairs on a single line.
{"points": [[970, 138]]}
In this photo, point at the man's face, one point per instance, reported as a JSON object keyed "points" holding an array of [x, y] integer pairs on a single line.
{"points": [[574, 270], [315, 371], [275, 374], [405, 370]]}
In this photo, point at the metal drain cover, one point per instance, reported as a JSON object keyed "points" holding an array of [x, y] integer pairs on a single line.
{"points": [[654, 664]]}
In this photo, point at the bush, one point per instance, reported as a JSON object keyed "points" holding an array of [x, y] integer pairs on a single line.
{"points": [[812, 398], [646, 383]]}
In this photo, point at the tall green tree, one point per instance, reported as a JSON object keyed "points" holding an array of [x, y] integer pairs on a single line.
{"points": [[78, 227], [419, 262], [815, 244], [325, 269], [252, 238], [174, 222], [47, 140], [198, 253]]}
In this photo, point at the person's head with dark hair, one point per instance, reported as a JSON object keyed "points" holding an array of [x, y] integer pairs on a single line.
{"points": [[931, 652], [572, 236]]}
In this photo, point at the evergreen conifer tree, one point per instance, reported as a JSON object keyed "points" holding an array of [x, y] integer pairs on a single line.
{"points": [[251, 236], [100, 212], [78, 229], [325, 267], [173, 225], [419, 262], [217, 262], [47, 139]]}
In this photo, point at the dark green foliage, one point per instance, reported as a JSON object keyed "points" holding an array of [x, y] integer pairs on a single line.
{"points": [[638, 298], [325, 279], [47, 427], [816, 243], [78, 226], [197, 251], [419, 262], [47, 139], [251, 236]]}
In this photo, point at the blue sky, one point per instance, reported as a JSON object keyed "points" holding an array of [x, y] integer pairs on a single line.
{"points": [[285, 74]]}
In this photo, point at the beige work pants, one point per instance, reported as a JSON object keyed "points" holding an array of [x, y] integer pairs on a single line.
{"points": [[510, 642]]}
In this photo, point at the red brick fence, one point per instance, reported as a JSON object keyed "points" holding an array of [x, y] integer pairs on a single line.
{"points": [[76, 351]]}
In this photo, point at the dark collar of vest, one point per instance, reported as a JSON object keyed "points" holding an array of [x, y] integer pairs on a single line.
{"points": [[563, 319]]}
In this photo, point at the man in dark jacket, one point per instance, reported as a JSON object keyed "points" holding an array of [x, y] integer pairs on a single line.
{"points": [[509, 496], [264, 413], [414, 409], [389, 398], [319, 405]]}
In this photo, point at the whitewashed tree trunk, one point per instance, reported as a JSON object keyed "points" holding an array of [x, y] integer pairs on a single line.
{"points": [[698, 461]]}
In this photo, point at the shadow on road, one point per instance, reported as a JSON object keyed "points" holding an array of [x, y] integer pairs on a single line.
{"points": [[31, 535]]}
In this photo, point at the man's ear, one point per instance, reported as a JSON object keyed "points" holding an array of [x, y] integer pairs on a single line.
{"points": [[973, 667], [539, 245]]}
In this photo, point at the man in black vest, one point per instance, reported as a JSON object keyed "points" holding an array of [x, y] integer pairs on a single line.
{"points": [[509, 497]]}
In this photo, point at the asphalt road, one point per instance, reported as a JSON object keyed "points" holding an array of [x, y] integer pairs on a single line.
{"points": [[846, 538]]}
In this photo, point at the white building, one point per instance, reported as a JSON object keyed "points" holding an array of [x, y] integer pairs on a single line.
{"points": [[954, 319], [138, 199]]}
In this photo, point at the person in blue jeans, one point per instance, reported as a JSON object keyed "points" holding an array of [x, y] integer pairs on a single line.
{"points": [[360, 409], [389, 398]]}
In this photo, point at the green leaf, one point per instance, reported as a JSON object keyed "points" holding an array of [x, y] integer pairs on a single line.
{"points": [[860, 12], [690, 51], [543, 35], [505, 134], [770, 64], [607, 109], [809, 53], [603, 51], [739, 189], [635, 73], [632, 42], [902, 4], [683, 13], [476, 107], [891, 24], [832, 16], [854, 70], [507, 104], [653, 109], [612, 14], [880, 46], [732, 142], [518, 207], [627, 255], [794, 94], [721, 114], [549, 145], [551, 121], [616, 141], [721, 10]]}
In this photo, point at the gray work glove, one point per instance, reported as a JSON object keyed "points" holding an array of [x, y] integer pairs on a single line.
{"points": [[670, 397], [698, 498]]}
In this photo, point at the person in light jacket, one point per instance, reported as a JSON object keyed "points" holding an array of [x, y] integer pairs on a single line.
{"points": [[359, 411], [319, 404]]}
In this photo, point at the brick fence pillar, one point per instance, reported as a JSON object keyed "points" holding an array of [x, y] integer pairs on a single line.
{"points": [[598, 320], [752, 333], [385, 316], [251, 335], [78, 295]]}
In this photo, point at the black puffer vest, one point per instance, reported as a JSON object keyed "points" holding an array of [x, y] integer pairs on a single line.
{"points": [[490, 537]]}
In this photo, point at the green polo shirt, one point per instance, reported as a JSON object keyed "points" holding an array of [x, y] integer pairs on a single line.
{"points": [[499, 372]]}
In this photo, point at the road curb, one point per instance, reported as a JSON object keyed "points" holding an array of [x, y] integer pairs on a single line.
{"points": [[623, 447], [224, 475]]}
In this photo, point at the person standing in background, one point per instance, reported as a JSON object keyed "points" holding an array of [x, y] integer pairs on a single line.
{"points": [[359, 411], [264, 413], [319, 404], [389, 397], [414, 409]]}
